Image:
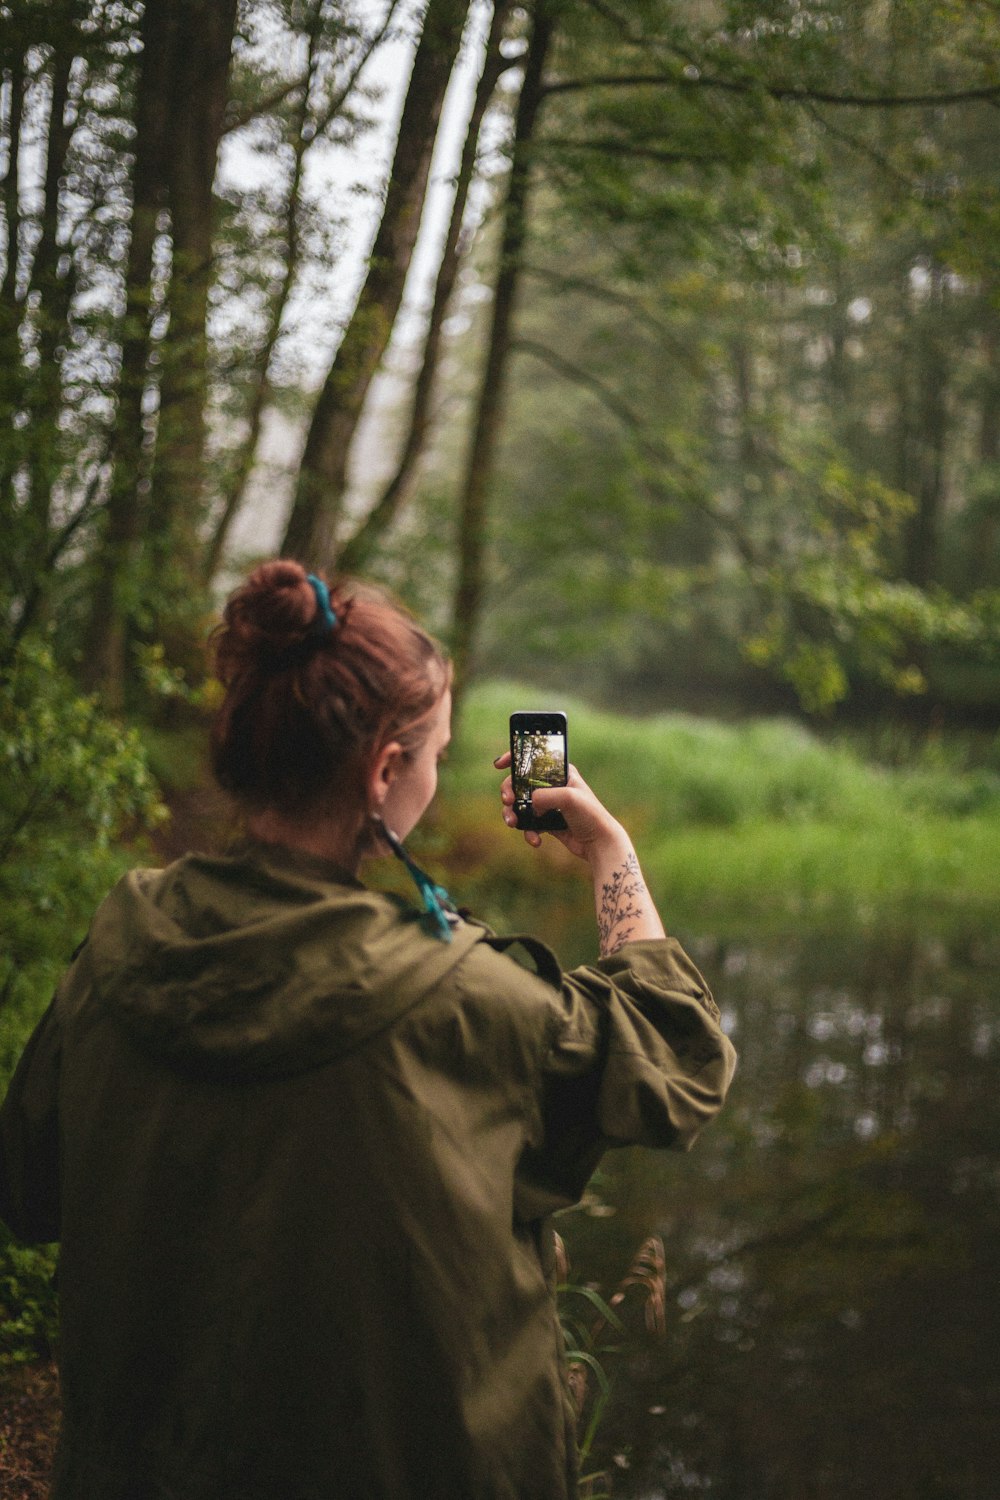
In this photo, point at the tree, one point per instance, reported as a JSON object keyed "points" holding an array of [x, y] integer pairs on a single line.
{"points": [[721, 165], [489, 406], [358, 550], [312, 525], [741, 325], [316, 102], [157, 492]]}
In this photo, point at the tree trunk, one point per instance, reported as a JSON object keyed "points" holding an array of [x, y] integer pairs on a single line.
{"points": [[356, 553], [150, 536], [489, 410], [50, 295], [203, 39], [312, 526], [986, 531], [261, 386], [10, 316], [116, 556], [932, 377], [35, 299], [14, 78], [306, 130]]}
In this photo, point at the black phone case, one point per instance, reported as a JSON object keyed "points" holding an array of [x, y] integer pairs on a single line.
{"points": [[527, 818]]}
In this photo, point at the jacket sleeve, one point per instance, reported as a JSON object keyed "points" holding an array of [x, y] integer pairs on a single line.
{"points": [[29, 1139], [635, 1056]]}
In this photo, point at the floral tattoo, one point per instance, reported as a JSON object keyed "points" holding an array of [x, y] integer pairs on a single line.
{"points": [[620, 909]]}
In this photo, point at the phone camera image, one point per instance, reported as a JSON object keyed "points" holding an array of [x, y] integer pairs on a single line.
{"points": [[539, 758]]}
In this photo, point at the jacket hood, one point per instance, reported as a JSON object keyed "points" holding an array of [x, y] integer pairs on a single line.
{"points": [[261, 962]]}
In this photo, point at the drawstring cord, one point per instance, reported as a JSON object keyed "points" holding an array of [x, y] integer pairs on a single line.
{"points": [[437, 903]]}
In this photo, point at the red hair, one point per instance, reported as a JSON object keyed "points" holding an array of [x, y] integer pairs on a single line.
{"points": [[306, 708]]}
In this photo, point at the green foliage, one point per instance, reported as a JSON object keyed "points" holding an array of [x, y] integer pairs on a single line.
{"points": [[754, 416], [748, 315], [74, 783], [29, 1314]]}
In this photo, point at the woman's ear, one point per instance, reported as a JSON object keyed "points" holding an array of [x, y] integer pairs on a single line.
{"points": [[382, 773]]}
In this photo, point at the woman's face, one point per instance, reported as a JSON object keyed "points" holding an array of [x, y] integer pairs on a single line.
{"points": [[411, 780]]}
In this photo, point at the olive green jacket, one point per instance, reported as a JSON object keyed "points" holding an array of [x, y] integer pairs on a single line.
{"points": [[299, 1153]]}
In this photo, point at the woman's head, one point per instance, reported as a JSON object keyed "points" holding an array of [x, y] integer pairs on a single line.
{"points": [[310, 712]]}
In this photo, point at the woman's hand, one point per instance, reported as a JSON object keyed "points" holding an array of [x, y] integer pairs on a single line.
{"points": [[624, 907], [588, 822]]}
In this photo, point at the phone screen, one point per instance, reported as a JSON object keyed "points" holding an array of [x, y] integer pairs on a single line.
{"points": [[538, 754]]}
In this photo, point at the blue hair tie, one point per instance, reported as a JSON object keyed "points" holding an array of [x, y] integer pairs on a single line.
{"points": [[325, 614]]}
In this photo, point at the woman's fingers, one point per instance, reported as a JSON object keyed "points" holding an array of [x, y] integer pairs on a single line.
{"points": [[572, 794]]}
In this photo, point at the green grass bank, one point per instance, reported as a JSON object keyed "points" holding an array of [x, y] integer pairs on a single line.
{"points": [[740, 827]]}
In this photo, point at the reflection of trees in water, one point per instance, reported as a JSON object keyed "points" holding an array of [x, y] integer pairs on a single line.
{"points": [[832, 1310]]}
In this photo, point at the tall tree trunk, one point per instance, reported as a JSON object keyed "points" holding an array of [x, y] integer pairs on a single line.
{"points": [[35, 298], [312, 525], [356, 553], [932, 377], [151, 532], [14, 81], [115, 562], [10, 313], [49, 294], [261, 389], [489, 408], [203, 40], [986, 531]]}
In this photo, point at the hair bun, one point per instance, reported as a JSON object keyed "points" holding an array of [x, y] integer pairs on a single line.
{"points": [[273, 612]]}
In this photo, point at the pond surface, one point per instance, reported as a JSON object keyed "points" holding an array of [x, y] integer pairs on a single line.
{"points": [[832, 1243]]}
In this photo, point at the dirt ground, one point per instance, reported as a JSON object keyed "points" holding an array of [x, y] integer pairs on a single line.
{"points": [[29, 1425]]}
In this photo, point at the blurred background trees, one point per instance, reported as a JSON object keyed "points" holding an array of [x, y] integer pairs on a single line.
{"points": [[693, 391], [651, 350]]}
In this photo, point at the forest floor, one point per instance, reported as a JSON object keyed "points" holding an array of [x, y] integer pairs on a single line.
{"points": [[29, 1427]]}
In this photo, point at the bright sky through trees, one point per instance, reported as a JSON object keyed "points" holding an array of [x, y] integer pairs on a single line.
{"points": [[350, 180]]}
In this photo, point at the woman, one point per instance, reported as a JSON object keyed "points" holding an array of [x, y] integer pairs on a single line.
{"points": [[299, 1140]]}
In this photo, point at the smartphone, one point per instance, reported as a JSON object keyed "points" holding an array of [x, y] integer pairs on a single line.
{"points": [[539, 756]]}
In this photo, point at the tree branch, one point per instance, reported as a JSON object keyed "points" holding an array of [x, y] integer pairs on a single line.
{"points": [[339, 100], [579, 376], [656, 451], [643, 153], [283, 91], [565, 283], [862, 148], [58, 543], [797, 92]]}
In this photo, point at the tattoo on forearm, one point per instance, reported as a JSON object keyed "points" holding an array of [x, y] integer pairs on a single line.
{"points": [[620, 909]]}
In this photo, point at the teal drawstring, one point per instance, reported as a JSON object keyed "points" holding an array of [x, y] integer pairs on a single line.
{"points": [[437, 903]]}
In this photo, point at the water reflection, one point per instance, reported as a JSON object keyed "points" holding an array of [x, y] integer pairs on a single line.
{"points": [[832, 1243]]}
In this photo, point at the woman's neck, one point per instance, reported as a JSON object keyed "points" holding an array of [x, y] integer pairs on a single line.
{"points": [[323, 837]]}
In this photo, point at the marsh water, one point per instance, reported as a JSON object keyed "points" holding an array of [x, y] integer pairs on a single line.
{"points": [[832, 1243]]}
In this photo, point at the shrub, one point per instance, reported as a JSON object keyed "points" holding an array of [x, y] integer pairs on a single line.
{"points": [[72, 782]]}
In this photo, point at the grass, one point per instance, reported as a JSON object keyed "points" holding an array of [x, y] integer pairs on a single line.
{"points": [[739, 826]]}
